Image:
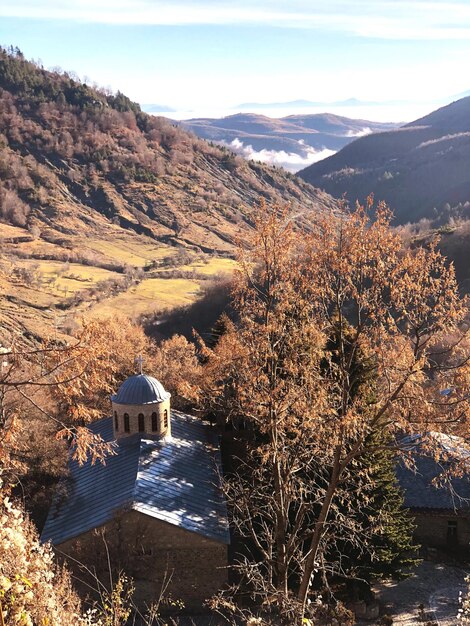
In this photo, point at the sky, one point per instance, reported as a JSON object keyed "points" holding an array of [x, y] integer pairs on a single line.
{"points": [[215, 54]]}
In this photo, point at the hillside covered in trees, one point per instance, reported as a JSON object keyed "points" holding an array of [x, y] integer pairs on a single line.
{"points": [[416, 168], [72, 154], [420, 170], [88, 179]]}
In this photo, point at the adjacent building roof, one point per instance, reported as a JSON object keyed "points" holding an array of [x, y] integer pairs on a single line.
{"points": [[417, 483], [140, 389], [175, 480]]}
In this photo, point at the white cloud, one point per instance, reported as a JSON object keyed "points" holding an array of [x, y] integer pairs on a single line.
{"points": [[385, 19], [290, 161], [359, 133]]}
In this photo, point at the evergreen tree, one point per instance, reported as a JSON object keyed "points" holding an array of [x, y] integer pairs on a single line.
{"points": [[392, 545], [370, 501]]}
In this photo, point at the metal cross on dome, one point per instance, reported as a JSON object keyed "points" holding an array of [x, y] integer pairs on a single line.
{"points": [[138, 361]]}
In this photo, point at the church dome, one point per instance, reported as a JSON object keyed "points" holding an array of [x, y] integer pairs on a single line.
{"points": [[140, 389]]}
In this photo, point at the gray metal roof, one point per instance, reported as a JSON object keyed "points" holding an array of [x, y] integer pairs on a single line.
{"points": [[140, 389], [420, 493], [175, 480]]}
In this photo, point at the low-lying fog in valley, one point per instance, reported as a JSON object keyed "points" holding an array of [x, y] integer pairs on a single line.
{"points": [[294, 160]]}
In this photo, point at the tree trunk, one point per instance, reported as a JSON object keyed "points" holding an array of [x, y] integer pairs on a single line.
{"points": [[317, 534], [281, 553]]}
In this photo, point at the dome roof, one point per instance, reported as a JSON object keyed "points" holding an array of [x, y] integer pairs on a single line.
{"points": [[140, 389]]}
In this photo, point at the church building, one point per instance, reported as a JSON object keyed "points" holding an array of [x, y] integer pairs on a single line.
{"points": [[156, 505]]}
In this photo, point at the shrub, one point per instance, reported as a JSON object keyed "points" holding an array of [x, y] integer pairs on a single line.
{"points": [[33, 589]]}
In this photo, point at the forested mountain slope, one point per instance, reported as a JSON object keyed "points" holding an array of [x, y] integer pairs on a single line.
{"points": [[75, 158], [417, 168], [88, 178]]}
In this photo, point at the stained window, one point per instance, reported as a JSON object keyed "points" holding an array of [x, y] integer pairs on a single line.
{"points": [[165, 419], [127, 428], [116, 421], [154, 422], [141, 420]]}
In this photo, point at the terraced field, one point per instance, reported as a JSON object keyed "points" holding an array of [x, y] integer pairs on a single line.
{"points": [[7, 231], [136, 254], [152, 294], [66, 278], [211, 267], [46, 286]]}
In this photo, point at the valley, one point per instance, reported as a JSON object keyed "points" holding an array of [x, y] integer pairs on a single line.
{"points": [[42, 292], [215, 368], [279, 141], [105, 209]]}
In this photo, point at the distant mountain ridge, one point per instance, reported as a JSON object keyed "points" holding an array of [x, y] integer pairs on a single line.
{"points": [[311, 103], [347, 102], [157, 108], [351, 102], [294, 134], [417, 168]]}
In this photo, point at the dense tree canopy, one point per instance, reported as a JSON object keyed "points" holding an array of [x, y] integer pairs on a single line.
{"points": [[351, 279]]}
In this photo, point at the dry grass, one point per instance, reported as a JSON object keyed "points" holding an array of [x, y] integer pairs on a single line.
{"points": [[42, 301], [213, 267], [153, 294], [130, 252], [27, 313], [12, 231], [67, 278], [39, 247]]}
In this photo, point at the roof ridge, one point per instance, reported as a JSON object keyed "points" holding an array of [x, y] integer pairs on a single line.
{"points": [[174, 480]]}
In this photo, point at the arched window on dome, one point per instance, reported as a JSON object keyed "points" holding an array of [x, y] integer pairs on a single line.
{"points": [[165, 418], [127, 428], [141, 420], [154, 422], [116, 421]]}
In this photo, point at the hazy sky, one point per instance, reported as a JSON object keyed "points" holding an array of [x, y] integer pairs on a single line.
{"points": [[191, 54]]}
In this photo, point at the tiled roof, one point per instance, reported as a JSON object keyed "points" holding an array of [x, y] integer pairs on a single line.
{"points": [[176, 480], [420, 493], [140, 389]]}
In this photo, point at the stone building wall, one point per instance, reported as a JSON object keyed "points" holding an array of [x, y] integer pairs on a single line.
{"points": [[149, 550], [441, 529], [133, 411]]}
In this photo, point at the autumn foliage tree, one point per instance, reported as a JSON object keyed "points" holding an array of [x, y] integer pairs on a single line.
{"points": [[66, 386], [295, 291], [106, 356], [69, 385], [34, 589], [177, 367]]}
